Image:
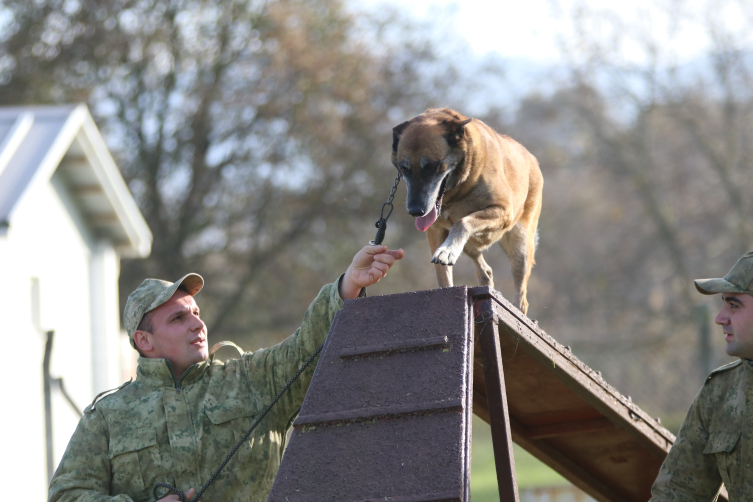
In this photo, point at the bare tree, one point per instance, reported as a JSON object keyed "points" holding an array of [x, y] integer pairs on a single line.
{"points": [[252, 133], [652, 167]]}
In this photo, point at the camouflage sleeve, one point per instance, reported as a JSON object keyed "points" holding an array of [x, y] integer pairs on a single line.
{"points": [[270, 369], [687, 474], [84, 471]]}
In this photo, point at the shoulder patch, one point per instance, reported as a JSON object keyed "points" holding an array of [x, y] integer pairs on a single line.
{"points": [[724, 368], [102, 395]]}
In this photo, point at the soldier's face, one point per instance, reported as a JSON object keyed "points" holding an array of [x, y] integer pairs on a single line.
{"points": [[179, 334], [736, 320]]}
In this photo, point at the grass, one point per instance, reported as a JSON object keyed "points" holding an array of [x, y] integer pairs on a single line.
{"points": [[530, 471]]}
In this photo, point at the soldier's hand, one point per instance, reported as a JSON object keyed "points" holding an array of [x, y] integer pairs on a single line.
{"points": [[174, 498], [369, 265]]}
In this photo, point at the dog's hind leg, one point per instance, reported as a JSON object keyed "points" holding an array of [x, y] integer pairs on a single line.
{"points": [[483, 270], [436, 237], [520, 244]]}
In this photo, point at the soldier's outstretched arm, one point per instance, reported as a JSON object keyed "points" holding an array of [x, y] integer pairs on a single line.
{"points": [[272, 368]]}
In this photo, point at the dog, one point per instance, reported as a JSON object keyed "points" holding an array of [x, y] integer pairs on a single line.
{"points": [[469, 187]]}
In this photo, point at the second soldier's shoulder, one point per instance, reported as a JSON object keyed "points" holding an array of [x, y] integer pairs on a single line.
{"points": [[725, 372], [720, 386]]}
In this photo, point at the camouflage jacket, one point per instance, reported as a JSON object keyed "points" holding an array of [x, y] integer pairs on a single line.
{"points": [[179, 430], [715, 443]]}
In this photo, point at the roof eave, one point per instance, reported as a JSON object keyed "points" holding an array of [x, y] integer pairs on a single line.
{"points": [[139, 243]]}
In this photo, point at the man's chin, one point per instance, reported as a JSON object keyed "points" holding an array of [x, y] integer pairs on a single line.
{"points": [[198, 354], [202, 355], [733, 349]]}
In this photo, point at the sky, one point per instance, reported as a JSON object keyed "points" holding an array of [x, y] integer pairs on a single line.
{"points": [[531, 29]]}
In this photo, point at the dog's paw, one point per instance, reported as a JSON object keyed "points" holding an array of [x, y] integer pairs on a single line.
{"points": [[446, 255]]}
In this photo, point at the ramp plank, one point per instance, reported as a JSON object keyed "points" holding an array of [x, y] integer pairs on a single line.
{"points": [[387, 415]]}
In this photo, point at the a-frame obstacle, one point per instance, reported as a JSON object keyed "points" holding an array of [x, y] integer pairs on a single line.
{"points": [[387, 415]]}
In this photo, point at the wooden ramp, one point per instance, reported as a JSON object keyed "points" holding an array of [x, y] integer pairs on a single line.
{"points": [[387, 413], [566, 414]]}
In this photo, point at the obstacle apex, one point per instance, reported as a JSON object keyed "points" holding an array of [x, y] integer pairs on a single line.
{"points": [[387, 415]]}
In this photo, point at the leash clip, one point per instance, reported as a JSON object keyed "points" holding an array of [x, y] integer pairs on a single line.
{"points": [[381, 224]]}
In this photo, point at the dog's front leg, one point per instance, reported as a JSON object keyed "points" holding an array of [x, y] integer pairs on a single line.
{"points": [[492, 219], [436, 236], [450, 250]]}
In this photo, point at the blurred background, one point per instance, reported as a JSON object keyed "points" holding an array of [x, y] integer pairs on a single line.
{"points": [[255, 137]]}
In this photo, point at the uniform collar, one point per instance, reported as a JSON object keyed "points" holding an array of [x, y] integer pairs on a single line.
{"points": [[159, 373]]}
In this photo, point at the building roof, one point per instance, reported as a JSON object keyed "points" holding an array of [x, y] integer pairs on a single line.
{"points": [[38, 141]]}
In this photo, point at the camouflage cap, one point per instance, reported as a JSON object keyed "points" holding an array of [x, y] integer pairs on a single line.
{"points": [[152, 293], [738, 280]]}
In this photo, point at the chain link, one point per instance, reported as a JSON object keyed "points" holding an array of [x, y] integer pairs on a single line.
{"points": [[381, 224]]}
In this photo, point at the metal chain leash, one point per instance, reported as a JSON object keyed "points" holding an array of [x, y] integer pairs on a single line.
{"points": [[181, 495], [381, 225]]}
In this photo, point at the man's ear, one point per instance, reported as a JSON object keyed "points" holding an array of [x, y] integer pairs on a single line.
{"points": [[397, 131], [454, 130], [142, 341]]}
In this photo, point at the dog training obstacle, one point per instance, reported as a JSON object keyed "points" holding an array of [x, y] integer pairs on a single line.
{"points": [[387, 415]]}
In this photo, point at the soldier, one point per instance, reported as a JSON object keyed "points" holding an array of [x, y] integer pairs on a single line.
{"points": [[178, 420], [715, 443]]}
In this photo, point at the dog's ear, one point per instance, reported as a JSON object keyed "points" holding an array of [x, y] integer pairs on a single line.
{"points": [[397, 131], [455, 129]]}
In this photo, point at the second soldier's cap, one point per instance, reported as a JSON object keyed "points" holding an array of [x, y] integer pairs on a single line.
{"points": [[152, 293], [738, 280]]}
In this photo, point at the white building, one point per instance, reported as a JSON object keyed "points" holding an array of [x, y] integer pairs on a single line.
{"points": [[66, 219]]}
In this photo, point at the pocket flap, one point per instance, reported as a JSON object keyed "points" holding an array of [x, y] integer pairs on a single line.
{"points": [[721, 442], [229, 410], [131, 440]]}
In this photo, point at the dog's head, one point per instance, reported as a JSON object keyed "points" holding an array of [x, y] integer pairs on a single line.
{"points": [[427, 149]]}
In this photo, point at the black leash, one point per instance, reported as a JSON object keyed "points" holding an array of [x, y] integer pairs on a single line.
{"points": [[181, 495], [381, 226], [382, 223]]}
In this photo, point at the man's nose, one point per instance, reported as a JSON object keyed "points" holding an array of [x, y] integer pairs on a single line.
{"points": [[198, 324], [721, 318]]}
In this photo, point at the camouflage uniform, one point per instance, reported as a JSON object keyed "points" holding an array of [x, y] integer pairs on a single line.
{"points": [[715, 443], [162, 428]]}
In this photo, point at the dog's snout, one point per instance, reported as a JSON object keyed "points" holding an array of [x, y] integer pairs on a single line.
{"points": [[416, 202], [417, 208]]}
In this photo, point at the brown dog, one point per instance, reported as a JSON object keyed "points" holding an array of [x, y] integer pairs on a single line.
{"points": [[469, 187]]}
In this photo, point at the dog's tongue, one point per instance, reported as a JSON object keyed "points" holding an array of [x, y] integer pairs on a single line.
{"points": [[424, 222]]}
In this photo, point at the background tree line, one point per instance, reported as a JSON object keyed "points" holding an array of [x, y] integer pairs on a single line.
{"points": [[255, 136]]}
